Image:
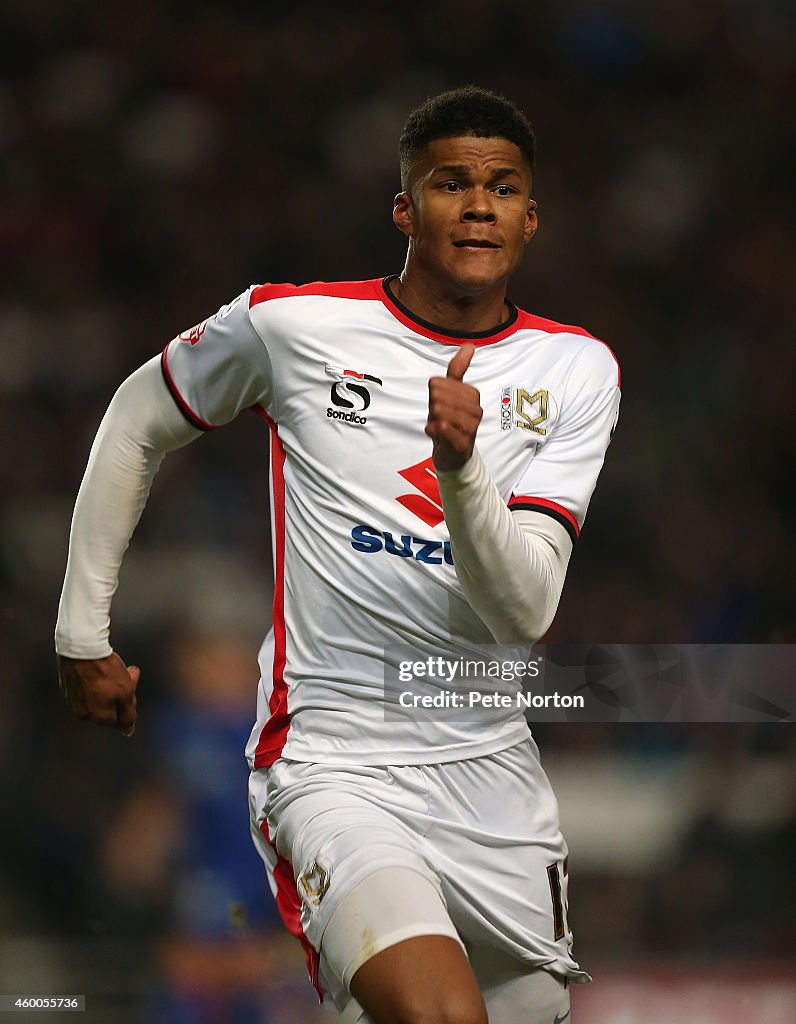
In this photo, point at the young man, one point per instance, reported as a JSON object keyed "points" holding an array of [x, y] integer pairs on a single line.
{"points": [[421, 863]]}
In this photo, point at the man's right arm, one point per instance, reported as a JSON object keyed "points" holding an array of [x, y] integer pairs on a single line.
{"points": [[206, 377], [142, 423]]}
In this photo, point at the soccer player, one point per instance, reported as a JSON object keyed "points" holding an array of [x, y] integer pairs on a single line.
{"points": [[420, 862]]}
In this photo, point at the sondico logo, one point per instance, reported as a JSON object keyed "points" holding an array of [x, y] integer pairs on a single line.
{"points": [[349, 394]]}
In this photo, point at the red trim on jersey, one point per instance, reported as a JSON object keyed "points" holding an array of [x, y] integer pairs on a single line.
{"points": [[259, 411], [185, 409], [274, 732], [538, 323], [288, 903], [428, 331], [371, 290], [518, 499], [334, 289], [377, 289]]}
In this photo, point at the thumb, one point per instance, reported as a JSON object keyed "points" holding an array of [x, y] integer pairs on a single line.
{"points": [[126, 711], [457, 367]]}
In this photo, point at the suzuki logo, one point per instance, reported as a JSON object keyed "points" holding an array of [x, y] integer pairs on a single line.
{"points": [[428, 504]]}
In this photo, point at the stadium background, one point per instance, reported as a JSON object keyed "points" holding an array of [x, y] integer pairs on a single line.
{"points": [[157, 158]]}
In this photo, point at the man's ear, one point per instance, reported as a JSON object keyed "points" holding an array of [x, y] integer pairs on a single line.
{"points": [[403, 213], [531, 222]]}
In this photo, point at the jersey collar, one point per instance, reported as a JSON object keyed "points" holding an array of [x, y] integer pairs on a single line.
{"points": [[429, 330]]}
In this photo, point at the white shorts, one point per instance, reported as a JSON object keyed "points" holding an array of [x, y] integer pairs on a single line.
{"points": [[484, 832], [410, 905]]}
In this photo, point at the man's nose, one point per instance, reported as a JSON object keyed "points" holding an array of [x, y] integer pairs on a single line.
{"points": [[479, 207]]}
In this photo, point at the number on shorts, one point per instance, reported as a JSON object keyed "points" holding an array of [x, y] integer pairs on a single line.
{"points": [[558, 905]]}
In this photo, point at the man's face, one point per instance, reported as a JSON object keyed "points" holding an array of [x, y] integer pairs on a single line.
{"points": [[467, 213]]}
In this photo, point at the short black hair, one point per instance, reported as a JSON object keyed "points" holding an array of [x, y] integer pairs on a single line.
{"points": [[468, 110]]}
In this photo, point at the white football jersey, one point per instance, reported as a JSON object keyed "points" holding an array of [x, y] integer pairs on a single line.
{"points": [[362, 555]]}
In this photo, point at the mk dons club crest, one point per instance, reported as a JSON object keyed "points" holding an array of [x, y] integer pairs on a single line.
{"points": [[533, 410], [313, 883]]}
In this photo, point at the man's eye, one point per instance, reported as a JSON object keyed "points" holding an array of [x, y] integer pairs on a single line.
{"points": [[451, 186], [504, 190]]}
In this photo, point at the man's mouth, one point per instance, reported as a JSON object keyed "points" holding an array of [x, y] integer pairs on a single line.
{"points": [[476, 243]]}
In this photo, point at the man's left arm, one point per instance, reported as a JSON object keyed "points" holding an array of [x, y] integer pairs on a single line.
{"points": [[512, 564]]}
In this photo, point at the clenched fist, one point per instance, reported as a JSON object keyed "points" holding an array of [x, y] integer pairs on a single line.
{"points": [[100, 690]]}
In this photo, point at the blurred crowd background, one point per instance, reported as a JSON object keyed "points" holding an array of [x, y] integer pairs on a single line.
{"points": [[156, 158]]}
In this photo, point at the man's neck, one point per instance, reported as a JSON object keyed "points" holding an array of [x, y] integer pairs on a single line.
{"points": [[464, 314]]}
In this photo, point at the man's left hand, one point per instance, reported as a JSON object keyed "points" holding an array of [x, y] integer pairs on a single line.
{"points": [[454, 412]]}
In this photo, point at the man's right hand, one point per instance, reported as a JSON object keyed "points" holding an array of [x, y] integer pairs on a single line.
{"points": [[100, 690]]}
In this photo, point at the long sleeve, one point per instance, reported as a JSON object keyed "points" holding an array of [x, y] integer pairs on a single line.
{"points": [[511, 565], [142, 424]]}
